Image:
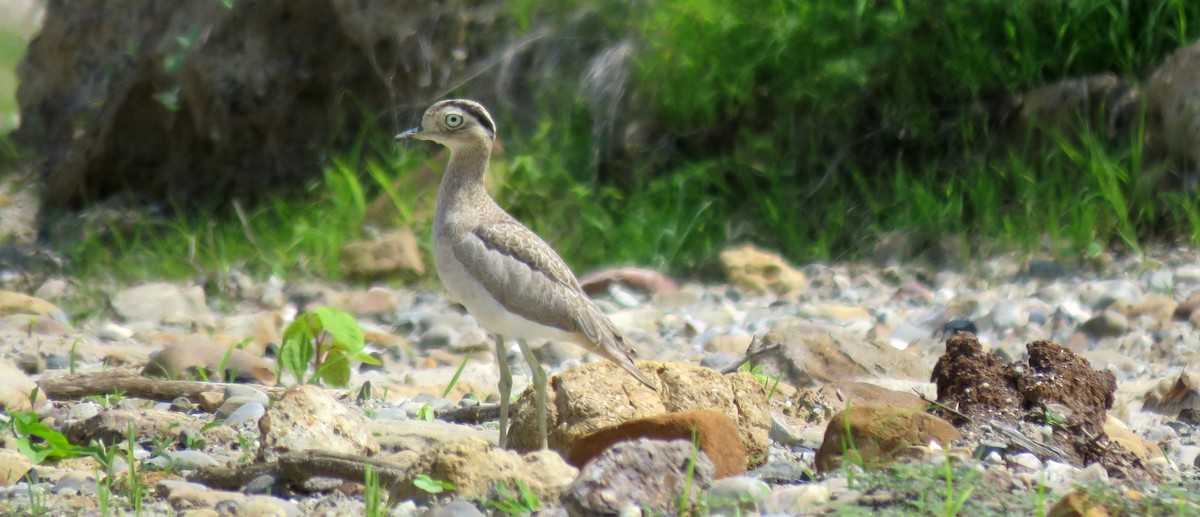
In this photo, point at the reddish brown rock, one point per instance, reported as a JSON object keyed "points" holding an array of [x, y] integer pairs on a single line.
{"points": [[872, 435], [715, 433], [1078, 504]]}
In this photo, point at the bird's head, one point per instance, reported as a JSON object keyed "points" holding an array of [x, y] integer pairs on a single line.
{"points": [[454, 123]]}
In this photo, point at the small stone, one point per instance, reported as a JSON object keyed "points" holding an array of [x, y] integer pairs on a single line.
{"points": [[13, 466], [1107, 324], [164, 487], [187, 459], [31, 363], [437, 337], [75, 483], [1189, 416], [455, 508], [784, 472], [798, 500], [1008, 315], [1077, 504], [306, 417], [956, 325], [211, 400], [232, 404], [738, 494], [1025, 462], [113, 332], [181, 405]]}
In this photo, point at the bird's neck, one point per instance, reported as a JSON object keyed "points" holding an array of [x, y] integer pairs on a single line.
{"points": [[462, 184]]}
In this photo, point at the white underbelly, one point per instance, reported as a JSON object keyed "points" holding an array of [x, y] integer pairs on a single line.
{"points": [[482, 306]]}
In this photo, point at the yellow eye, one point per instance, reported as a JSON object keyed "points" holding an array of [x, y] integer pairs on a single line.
{"points": [[454, 120]]}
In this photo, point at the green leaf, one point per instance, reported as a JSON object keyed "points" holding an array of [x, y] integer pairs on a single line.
{"points": [[50, 444], [342, 326], [297, 348], [433, 486], [336, 369]]}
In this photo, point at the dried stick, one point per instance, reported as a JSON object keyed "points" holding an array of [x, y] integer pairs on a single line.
{"points": [[131, 384], [296, 467], [755, 349]]}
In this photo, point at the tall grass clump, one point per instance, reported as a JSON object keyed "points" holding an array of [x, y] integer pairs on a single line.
{"points": [[814, 127]]}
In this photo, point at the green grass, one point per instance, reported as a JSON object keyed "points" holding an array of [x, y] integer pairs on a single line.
{"points": [[809, 127]]}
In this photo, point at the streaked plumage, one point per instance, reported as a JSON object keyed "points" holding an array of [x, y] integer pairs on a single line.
{"points": [[503, 273]]}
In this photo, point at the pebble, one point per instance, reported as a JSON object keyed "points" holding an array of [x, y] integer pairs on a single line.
{"points": [[741, 494], [249, 412], [1124, 320]]}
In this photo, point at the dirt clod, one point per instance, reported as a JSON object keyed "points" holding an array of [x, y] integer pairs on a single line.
{"points": [[1052, 388]]}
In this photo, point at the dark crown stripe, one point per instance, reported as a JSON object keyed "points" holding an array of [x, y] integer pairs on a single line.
{"points": [[477, 111]]}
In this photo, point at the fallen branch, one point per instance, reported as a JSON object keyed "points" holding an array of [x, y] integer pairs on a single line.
{"points": [[295, 468], [755, 349], [132, 384]]}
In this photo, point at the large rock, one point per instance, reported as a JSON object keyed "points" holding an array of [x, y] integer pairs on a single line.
{"points": [[473, 467], [1172, 111], [197, 98], [306, 417], [396, 254], [873, 435], [761, 272], [814, 354], [712, 431], [161, 302], [598, 395], [18, 303], [16, 388], [643, 474], [191, 355]]}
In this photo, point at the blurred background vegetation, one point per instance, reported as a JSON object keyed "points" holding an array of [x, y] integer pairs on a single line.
{"points": [[814, 128]]}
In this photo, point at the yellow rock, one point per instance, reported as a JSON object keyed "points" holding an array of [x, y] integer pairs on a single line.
{"points": [[17, 303]]}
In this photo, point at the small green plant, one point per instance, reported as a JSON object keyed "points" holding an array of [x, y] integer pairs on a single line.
{"points": [[769, 382], [430, 485], [108, 400], [328, 339], [73, 356], [954, 501], [521, 501], [426, 413], [454, 379], [37, 497], [134, 492], [373, 494], [246, 444], [39, 442], [684, 504]]}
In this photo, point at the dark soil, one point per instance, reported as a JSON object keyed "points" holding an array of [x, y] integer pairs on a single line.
{"points": [[978, 392]]}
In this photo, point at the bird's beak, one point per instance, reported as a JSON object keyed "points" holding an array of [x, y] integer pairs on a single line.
{"points": [[410, 134]]}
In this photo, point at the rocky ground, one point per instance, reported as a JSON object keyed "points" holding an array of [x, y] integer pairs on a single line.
{"points": [[1089, 387]]}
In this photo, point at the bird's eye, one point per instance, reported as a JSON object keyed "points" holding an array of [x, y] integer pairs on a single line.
{"points": [[454, 120]]}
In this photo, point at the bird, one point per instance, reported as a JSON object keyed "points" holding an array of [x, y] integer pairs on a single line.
{"points": [[509, 279]]}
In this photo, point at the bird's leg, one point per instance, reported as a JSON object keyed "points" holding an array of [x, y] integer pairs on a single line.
{"points": [[539, 384], [505, 388]]}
